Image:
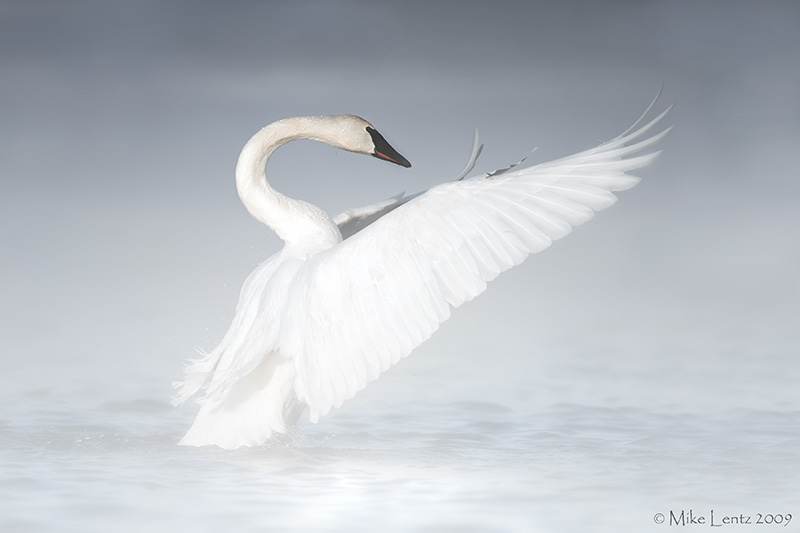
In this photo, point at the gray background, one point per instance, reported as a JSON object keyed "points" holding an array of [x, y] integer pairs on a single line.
{"points": [[122, 122]]}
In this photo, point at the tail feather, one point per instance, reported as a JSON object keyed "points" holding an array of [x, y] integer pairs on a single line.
{"points": [[258, 406]]}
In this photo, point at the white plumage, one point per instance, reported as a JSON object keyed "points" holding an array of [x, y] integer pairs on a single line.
{"points": [[325, 315]]}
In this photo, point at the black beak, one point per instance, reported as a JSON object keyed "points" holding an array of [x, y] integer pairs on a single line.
{"points": [[384, 151]]}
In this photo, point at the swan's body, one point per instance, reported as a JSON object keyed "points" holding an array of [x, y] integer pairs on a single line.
{"points": [[324, 316]]}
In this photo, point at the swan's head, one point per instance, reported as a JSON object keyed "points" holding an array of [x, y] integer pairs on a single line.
{"points": [[358, 135]]}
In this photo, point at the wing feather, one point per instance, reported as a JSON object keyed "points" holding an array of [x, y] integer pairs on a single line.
{"points": [[386, 289]]}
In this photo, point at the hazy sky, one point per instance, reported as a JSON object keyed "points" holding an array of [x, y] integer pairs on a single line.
{"points": [[122, 122]]}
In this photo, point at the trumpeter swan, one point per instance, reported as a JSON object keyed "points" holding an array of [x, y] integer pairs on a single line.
{"points": [[348, 297]]}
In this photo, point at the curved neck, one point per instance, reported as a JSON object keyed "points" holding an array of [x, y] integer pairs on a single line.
{"points": [[299, 224]]}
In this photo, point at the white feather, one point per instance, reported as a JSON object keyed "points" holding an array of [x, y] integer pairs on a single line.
{"points": [[323, 317]]}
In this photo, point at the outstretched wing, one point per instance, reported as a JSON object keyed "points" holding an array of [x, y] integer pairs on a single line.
{"points": [[360, 307]]}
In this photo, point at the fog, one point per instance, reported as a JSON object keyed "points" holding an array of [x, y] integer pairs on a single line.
{"points": [[125, 244]]}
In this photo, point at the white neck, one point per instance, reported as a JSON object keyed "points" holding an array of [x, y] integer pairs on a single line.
{"points": [[300, 225]]}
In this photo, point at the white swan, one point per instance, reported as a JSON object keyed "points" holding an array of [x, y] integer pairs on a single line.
{"points": [[324, 316]]}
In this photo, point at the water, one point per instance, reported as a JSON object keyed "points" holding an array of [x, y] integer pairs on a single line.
{"points": [[579, 439]]}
